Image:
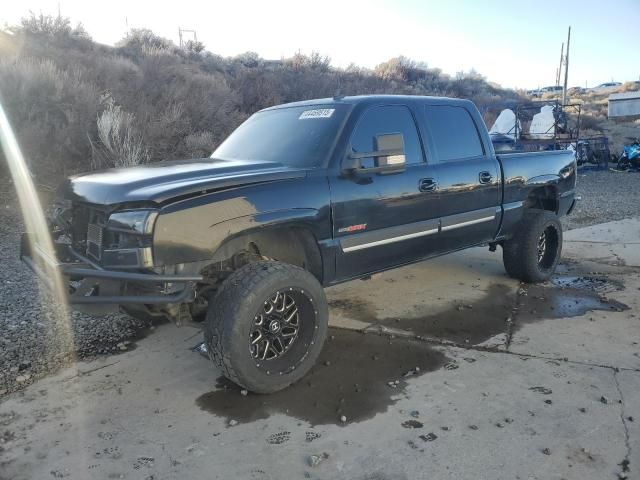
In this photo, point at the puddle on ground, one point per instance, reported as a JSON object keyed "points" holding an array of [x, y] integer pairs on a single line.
{"points": [[468, 323], [472, 323], [567, 297], [350, 378]]}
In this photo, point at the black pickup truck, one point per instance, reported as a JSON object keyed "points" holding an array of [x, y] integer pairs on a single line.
{"points": [[302, 196]]}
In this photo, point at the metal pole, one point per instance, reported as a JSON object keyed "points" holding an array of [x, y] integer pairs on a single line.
{"points": [[559, 72], [566, 69]]}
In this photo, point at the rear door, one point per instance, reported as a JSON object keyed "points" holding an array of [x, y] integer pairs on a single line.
{"points": [[382, 220], [468, 177]]}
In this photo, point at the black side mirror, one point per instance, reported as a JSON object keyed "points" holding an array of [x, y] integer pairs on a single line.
{"points": [[389, 156]]}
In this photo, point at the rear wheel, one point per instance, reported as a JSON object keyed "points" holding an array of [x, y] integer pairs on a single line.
{"points": [[534, 251], [266, 325]]}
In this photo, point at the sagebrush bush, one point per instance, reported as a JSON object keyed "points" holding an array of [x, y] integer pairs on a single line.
{"points": [[78, 105], [121, 144]]}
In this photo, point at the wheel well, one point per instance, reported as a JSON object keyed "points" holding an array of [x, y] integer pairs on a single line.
{"points": [[543, 198], [293, 245]]}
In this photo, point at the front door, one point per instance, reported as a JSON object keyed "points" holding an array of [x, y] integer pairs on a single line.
{"points": [[381, 220]]}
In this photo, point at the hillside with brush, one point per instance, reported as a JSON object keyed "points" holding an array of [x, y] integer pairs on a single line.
{"points": [[77, 105]]}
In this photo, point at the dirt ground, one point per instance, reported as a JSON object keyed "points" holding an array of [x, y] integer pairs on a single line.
{"points": [[444, 369]]}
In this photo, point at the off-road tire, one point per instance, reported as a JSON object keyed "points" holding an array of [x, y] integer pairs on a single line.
{"points": [[230, 319], [520, 253]]}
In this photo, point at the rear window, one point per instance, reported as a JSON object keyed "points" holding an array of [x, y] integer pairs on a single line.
{"points": [[295, 136], [453, 133]]}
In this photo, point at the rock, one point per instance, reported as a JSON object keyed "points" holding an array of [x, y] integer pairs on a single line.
{"points": [[412, 424], [604, 399], [414, 413], [429, 437], [25, 364], [546, 451], [315, 460], [233, 423], [583, 410], [473, 427], [343, 419], [23, 378], [244, 393], [542, 390]]}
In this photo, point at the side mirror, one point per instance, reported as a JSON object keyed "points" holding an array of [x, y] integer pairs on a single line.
{"points": [[389, 156]]}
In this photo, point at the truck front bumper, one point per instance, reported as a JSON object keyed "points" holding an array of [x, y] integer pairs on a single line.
{"points": [[88, 283]]}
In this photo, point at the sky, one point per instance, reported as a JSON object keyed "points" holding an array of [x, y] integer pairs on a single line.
{"points": [[513, 43]]}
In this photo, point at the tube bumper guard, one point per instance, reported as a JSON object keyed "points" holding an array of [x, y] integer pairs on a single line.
{"points": [[88, 282]]}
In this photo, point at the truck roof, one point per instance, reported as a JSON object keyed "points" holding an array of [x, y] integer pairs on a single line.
{"points": [[374, 99]]}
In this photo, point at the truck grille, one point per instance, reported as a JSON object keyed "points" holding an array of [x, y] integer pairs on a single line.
{"points": [[94, 240]]}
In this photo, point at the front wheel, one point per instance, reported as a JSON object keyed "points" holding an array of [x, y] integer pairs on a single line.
{"points": [[533, 253], [266, 325]]}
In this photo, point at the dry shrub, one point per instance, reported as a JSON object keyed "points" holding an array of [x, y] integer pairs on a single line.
{"points": [[120, 143], [165, 102], [200, 144], [50, 110]]}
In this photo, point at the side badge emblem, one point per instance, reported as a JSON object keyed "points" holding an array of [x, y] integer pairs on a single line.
{"points": [[353, 228]]}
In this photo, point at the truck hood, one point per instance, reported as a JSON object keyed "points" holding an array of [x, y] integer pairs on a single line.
{"points": [[163, 181]]}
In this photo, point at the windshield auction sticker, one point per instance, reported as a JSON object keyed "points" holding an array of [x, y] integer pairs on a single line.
{"points": [[318, 113]]}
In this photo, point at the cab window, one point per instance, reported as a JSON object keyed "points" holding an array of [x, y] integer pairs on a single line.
{"points": [[386, 119], [453, 133]]}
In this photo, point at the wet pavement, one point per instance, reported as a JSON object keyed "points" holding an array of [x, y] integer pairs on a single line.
{"points": [[500, 311], [464, 373], [357, 376]]}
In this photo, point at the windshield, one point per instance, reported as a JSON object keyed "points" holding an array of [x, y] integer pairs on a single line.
{"points": [[295, 136]]}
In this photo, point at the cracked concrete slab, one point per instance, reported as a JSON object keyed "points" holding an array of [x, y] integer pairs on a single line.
{"points": [[629, 386], [452, 300], [596, 337], [138, 418], [616, 243], [441, 406]]}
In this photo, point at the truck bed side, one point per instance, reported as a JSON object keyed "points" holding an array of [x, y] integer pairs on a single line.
{"points": [[544, 180]]}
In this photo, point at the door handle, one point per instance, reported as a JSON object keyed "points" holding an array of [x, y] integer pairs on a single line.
{"points": [[485, 177], [427, 184]]}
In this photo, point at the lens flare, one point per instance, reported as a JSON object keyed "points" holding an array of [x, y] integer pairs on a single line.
{"points": [[34, 219]]}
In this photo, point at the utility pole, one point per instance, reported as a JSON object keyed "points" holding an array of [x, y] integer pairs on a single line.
{"points": [[566, 69], [559, 71]]}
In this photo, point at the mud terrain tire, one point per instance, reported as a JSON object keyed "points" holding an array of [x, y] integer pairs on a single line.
{"points": [[257, 300], [533, 253]]}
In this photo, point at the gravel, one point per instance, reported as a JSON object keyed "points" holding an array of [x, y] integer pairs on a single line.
{"points": [[34, 341], [606, 196]]}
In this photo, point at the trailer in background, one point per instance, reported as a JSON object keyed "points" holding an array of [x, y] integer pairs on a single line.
{"points": [[544, 125]]}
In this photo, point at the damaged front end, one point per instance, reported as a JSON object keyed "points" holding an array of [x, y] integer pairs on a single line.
{"points": [[106, 258]]}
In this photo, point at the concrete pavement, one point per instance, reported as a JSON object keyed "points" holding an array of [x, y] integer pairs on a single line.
{"points": [[464, 373]]}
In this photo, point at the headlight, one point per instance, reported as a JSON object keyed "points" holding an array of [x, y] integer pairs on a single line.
{"points": [[133, 221]]}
